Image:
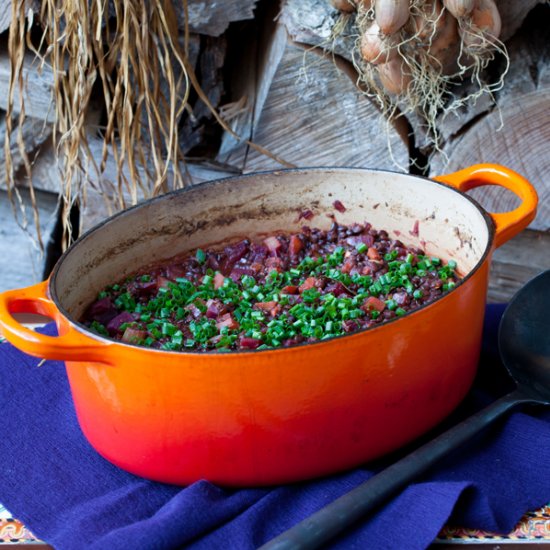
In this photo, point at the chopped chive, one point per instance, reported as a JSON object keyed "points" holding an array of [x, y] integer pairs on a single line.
{"points": [[201, 256]]}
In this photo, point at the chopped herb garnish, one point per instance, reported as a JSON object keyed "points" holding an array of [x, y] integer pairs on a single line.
{"points": [[330, 287], [201, 256]]}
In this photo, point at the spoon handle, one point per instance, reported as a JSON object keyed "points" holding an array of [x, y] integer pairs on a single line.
{"points": [[344, 511]]}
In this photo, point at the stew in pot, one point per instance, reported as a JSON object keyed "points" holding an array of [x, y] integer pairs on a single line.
{"points": [[279, 291]]}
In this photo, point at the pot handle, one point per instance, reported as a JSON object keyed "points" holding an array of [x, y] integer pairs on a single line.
{"points": [[72, 345], [508, 224]]}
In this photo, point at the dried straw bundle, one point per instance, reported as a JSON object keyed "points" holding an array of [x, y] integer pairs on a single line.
{"points": [[133, 56], [132, 52]]}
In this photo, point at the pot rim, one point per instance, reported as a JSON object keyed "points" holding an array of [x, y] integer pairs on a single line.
{"points": [[80, 326]]}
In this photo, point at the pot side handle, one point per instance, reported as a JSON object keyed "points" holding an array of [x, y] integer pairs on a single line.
{"points": [[71, 345], [508, 224]]}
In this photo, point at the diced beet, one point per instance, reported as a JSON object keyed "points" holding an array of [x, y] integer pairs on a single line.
{"points": [[145, 288], [401, 298], [349, 325], [193, 310], [175, 271], [274, 264], [114, 324], [354, 240], [163, 282], [415, 230], [272, 307], [367, 239], [310, 282], [134, 335], [212, 261], [273, 244], [212, 310], [246, 342], [228, 321], [289, 289], [348, 265], [218, 280], [102, 311], [226, 265], [258, 252], [305, 214], [336, 288], [373, 254], [373, 304], [100, 306], [242, 269], [295, 245], [339, 206], [235, 252]]}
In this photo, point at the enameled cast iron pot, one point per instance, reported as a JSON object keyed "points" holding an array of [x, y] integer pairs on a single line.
{"points": [[273, 416]]}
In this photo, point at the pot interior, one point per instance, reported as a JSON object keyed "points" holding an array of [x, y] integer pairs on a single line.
{"points": [[417, 211]]}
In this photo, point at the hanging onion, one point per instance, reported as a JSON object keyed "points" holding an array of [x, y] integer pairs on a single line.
{"points": [[395, 76], [459, 8], [486, 25], [427, 23], [391, 15], [375, 47], [445, 46], [345, 6], [365, 5]]}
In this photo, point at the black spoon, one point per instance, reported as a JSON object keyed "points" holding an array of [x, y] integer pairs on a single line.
{"points": [[524, 343]]}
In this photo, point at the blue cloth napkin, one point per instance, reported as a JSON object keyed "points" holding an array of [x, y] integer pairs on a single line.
{"points": [[53, 481]]}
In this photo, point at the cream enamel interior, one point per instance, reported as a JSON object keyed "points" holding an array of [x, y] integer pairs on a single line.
{"points": [[449, 225]]}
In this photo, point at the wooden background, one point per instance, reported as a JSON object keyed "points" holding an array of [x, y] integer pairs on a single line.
{"points": [[274, 72]]}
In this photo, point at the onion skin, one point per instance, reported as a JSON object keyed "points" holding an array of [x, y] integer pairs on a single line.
{"points": [[445, 46], [376, 48], [345, 6], [486, 17], [391, 15], [459, 8], [485, 21], [394, 76], [426, 25], [364, 5]]}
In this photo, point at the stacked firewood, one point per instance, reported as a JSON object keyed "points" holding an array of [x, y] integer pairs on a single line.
{"points": [[284, 79]]}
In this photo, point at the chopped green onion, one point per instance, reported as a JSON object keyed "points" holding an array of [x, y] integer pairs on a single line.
{"points": [[201, 256]]}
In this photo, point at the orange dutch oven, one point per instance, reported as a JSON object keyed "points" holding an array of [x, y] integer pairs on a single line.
{"points": [[273, 416]]}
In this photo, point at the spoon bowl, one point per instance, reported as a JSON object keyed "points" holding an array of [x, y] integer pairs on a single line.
{"points": [[524, 338], [524, 345]]}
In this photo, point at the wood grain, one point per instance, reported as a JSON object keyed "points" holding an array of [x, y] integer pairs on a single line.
{"points": [[6, 8], [213, 18], [310, 112], [313, 22], [516, 262], [26, 262], [37, 92], [32, 134]]}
